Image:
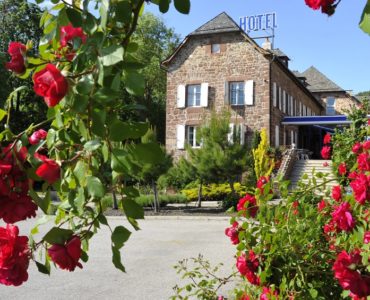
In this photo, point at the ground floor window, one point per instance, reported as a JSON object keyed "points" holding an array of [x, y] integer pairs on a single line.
{"points": [[191, 136]]}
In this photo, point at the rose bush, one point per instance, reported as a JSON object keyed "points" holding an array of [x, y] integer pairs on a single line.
{"points": [[313, 244], [84, 61]]}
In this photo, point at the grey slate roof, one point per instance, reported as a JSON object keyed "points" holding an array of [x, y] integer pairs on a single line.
{"points": [[318, 82], [219, 24], [279, 53]]}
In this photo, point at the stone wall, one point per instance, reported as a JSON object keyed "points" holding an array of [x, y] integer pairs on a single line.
{"points": [[343, 101], [239, 60]]}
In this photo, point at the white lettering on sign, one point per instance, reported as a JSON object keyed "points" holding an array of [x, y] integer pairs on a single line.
{"points": [[258, 22]]}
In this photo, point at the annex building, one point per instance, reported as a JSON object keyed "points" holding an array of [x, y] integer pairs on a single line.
{"points": [[218, 66]]}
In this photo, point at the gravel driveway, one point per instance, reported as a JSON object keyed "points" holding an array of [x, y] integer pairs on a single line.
{"points": [[149, 257]]}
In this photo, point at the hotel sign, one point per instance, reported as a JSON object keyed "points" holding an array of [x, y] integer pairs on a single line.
{"points": [[258, 22]]}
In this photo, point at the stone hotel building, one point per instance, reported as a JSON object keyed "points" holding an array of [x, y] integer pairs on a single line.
{"points": [[218, 66]]}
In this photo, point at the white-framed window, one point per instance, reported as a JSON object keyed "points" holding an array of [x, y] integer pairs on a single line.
{"points": [[277, 136], [274, 94], [215, 48], [236, 132], [284, 101], [309, 111], [191, 136], [330, 106], [236, 90], [280, 100], [193, 95]]}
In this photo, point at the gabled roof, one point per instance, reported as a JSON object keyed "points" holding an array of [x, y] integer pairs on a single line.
{"points": [[219, 24], [318, 82], [279, 53]]}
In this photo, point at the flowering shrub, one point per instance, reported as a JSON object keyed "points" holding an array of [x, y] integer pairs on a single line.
{"points": [[83, 64], [315, 242]]}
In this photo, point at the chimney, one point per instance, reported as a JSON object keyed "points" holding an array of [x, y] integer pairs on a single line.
{"points": [[267, 44]]}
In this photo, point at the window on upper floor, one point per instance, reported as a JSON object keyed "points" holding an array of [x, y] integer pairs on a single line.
{"points": [[193, 95], [215, 48], [330, 106], [191, 136], [236, 93]]}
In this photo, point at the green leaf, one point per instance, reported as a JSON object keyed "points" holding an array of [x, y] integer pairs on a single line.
{"points": [[85, 85], [134, 82], [149, 153], [182, 6], [58, 235], [119, 236], [112, 55], [104, 9], [90, 24], [120, 131], [119, 161], [98, 121], [132, 209], [123, 12], [131, 192], [2, 114], [43, 268], [94, 187], [365, 19], [106, 95], [80, 103], [80, 172], [92, 145], [116, 259], [43, 203], [314, 293], [164, 6], [102, 219], [75, 17]]}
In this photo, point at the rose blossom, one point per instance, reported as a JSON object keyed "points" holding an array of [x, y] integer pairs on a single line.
{"points": [[342, 217], [321, 205], [361, 188], [268, 294], [363, 161], [248, 203], [16, 207], [367, 237], [327, 138], [366, 145], [16, 51], [37, 136], [233, 233], [69, 33], [325, 164], [325, 152], [357, 148], [342, 169], [50, 84], [49, 169], [348, 276], [336, 193], [67, 256], [14, 256], [248, 266]]}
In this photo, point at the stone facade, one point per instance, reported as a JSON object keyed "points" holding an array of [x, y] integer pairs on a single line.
{"points": [[239, 60], [344, 102]]}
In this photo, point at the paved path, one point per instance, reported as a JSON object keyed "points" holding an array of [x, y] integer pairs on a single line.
{"points": [[148, 256]]}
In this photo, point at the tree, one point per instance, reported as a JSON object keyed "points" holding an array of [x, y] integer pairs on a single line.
{"points": [[222, 156], [149, 172], [19, 21]]}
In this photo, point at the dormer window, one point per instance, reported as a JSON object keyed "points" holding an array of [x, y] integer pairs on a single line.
{"points": [[215, 48]]}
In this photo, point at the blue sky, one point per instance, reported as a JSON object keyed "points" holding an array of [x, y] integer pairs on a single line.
{"points": [[335, 45]]}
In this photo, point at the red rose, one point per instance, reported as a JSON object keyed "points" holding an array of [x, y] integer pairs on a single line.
{"points": [[363, 161], [342, 169], [361, 188], [325, 5], [248, 203], [325, 164], [347, 272], [49, 170], [50, 84], [248, 267], [268, 294], [14, 256], [336, 193], [366, 145], [16, 51], [67, 256], [37, 136], [16, 208], [342, 217], [367, 237], [233, 233], [327, 138], [321, 205], [357, 148], [325, 152], [69, 33]]}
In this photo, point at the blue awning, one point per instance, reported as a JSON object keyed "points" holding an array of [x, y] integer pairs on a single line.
{"points": [[316, 120]]}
